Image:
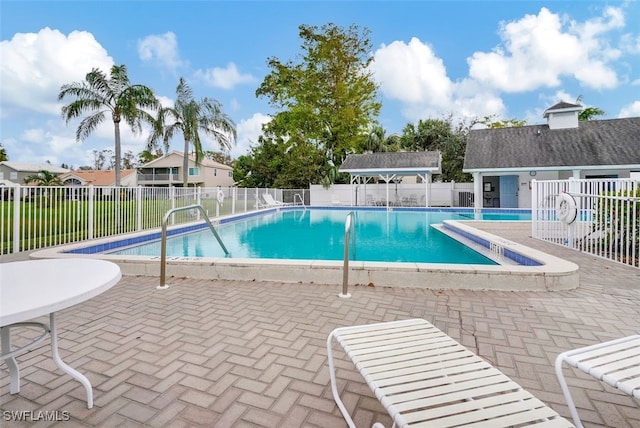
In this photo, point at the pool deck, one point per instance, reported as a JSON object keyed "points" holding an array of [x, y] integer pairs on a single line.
{"points": [[251, 354]]}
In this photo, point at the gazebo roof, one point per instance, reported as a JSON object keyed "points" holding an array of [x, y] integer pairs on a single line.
{"points": [[398, 163]]}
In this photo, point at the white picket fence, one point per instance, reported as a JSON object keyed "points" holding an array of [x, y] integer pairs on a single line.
{"points": [[596, 216], [37, 217]]}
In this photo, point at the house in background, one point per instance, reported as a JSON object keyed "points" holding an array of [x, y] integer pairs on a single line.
{"points": [[100, 178], [16, 172], [503, 161], [167, 171]]}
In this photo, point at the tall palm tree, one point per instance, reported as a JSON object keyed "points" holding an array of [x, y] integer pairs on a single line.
{"points": [[188, 116], [100, 95]]}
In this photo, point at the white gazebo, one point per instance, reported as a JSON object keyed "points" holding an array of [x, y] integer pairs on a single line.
{"points": [[389, 166]]}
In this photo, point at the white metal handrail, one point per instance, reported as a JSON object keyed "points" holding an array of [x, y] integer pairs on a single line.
{"points": [[350, 220], [301, 200], [163, 247]]}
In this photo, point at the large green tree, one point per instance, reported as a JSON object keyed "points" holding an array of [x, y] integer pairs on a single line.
{"points": [[439, 135], [189, 116], [328, 99], [100, 96], [279, 163]]}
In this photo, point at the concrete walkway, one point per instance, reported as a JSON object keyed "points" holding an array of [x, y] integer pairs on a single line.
{"points": [[251, 354]]}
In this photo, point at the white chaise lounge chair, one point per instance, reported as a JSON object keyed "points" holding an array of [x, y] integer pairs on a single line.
{"points": [[616, 363], [270, 202], [424, 378]]}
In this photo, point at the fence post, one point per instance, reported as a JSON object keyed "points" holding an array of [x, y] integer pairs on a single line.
{"points": [[172, 197], [16, 219], [234, 194], [452, 193], [534, 208], [90, 215], [139, 207]]}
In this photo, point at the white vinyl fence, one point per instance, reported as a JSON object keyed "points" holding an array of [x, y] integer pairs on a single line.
{"points": [[596, 216], [37, 217]]}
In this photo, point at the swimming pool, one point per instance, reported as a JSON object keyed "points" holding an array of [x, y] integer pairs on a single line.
{"points": [[378, 235], [518, 267]]}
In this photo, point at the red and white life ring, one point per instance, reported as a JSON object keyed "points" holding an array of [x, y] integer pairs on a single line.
{"points": [[220, 196], [566, 208]]}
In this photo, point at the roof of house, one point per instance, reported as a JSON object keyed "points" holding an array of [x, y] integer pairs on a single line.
{"points": [[30, 167], [205, 161], [597, 143], [392, 163], [98, 177], [562, 106]]}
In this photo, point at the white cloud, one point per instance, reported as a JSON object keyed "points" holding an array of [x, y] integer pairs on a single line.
{"points": [[631, 43], [162, 48], [224, 78], [538, 50], [412, 73], [248, 132], [631, 110], [35, 65]]}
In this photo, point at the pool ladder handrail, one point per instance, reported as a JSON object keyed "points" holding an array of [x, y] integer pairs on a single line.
{"points": [[348, 224], [301, 200], [163, 243]]}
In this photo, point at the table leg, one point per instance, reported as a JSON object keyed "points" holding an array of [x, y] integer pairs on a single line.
{"points": [[64, 367], [14, 370]]}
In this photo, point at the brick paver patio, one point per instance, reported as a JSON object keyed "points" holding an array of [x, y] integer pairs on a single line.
{"points": [[251, 354]]}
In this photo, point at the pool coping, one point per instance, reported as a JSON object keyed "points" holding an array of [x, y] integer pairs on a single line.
{"points": [[548, 273]]}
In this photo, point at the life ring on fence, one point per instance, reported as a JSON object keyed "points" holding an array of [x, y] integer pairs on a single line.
{"points": [[566, 208], [220, 196]]}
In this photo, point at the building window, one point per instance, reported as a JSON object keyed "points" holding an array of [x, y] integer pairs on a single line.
{"points": [[194, 171], [215, 172]]}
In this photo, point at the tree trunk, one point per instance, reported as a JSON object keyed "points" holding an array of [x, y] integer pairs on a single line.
{"points": [[185, 164], [116, 125]]}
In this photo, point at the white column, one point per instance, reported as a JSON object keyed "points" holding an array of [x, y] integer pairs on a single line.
{"points": [[477, 191]]}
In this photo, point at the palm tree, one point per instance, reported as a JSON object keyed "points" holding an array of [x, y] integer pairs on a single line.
{"points": [[44, 178], [588, 113], [100, 95], [189, 116], [375, 140]]}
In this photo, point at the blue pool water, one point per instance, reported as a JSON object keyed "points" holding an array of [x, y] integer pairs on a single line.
{"points": [[318, 234]]}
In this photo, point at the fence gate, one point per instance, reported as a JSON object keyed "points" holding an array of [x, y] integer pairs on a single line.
{"points": [[596, 216]]}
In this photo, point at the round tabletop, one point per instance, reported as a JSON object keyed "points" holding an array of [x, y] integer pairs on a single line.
{"points": [[32, 288]]}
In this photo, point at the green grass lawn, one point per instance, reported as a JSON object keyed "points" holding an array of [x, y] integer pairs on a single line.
{"points": [[53, 221]]}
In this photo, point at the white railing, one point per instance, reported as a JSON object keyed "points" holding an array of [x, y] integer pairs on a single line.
{"points": [[596, 216], [38, 217]]}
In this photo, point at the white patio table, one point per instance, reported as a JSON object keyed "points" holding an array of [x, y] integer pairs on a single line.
{"points": [[33, 288]]}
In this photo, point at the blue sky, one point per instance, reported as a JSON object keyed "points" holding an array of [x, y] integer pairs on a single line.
{"points": [[433, 59]]}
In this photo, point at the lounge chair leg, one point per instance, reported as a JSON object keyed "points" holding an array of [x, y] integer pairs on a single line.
{"points": [[334, 387], [565, 390]]}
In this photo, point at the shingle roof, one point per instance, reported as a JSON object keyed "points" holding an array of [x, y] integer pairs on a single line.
{"points": [[562, 106], [98, 177], [394, 163], [596, 143], [30, 167], [205, 161]]}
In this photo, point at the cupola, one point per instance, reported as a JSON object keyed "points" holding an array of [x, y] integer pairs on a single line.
{"points": [[562, 115]]}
